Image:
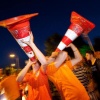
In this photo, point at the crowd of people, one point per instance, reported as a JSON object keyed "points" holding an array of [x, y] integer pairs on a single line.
{"points": [[75, 78]]}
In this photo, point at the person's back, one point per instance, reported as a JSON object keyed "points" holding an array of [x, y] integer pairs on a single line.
{"points": [[11, 87], [66, 83]]}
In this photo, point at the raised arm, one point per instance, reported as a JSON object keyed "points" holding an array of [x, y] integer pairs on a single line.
{"points": [[23, 72], [58, 58], [77, 55], [38, 53]]}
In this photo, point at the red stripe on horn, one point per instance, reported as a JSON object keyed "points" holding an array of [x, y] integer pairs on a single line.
{"points": [[76, 28], [57, 50], [33, 59], [80, 20], [21, 33], [66, 40], [27, 49]]}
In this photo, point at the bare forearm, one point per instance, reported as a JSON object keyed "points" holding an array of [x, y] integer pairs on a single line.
{"points": [[23, 73], [39, 54], [76, 52], [77, 55]]}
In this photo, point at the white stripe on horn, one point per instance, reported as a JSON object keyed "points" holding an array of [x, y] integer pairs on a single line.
{"points": [[61, 46], [71, 34], [30, 54], [24, 39]]}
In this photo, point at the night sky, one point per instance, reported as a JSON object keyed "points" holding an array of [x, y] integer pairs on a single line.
{"points": [[54, 17]]}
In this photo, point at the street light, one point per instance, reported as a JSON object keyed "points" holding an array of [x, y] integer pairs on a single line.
{"points": [[13, 64], [17, 59], [12, 55]]}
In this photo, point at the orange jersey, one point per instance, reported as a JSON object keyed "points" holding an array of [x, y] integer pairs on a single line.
{"points": [[11, 87], [66, 82], [38, 86]]}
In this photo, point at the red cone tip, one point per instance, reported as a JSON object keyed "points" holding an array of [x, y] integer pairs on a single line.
{"points": [[57, 50], [83, 22], [7, 22]]}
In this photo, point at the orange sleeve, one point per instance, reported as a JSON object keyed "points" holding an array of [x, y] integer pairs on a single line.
{"points": [[51, 69], [27, 77], [69, 64]]}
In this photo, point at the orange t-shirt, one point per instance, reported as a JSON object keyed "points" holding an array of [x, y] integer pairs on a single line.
{"points": [[38, 86], [11, 87], [66, 82]]}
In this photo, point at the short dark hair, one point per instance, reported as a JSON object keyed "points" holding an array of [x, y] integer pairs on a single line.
{"points": [[90, 52], [8, 72]]}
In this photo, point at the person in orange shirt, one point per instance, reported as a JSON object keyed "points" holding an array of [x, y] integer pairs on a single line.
{"points": [[10, 86], [38, 86], [59, 72]]}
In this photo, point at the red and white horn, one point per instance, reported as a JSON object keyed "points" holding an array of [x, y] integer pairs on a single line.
{"points": [[19, 27], [78, 26]]}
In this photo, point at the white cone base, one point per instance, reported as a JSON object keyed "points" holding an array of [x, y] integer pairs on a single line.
{"points": [[61, 46], [71, 35]]}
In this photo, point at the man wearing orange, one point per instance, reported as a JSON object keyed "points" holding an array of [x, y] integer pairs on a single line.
{"points": [[60, 74], [10, 87], [66, 83], [38, 86]]}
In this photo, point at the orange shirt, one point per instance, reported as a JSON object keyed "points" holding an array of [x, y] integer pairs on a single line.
{"points": [[66, 82], [11, 87], [38, 86]]}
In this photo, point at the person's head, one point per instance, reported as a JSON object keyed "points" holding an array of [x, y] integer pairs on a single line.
{"points": [[8, 72], [68, 58], [89, 55], [62, 54], [56, 54], [36, 65]]}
